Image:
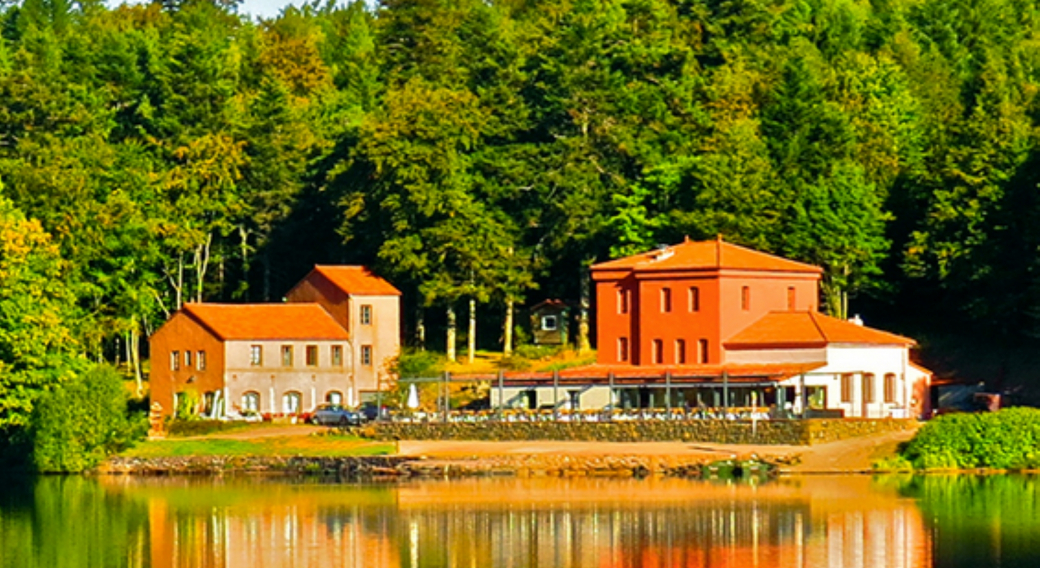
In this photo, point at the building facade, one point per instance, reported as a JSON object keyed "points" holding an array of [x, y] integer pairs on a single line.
{"points": [[328, 344], [710, 324]]}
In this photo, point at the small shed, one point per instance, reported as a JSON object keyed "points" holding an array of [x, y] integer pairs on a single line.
{"points": [[549, 322]]}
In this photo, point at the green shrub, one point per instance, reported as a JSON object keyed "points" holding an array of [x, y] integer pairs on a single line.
{"points": [[1009, 439], [77, 425], [418, 364], [536, 352], [187, 406]]}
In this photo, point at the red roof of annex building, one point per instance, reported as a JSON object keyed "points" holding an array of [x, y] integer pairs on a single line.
{"points": [[357, 280], [705, 255], [620, 374], [266, 321], [809, 329]]}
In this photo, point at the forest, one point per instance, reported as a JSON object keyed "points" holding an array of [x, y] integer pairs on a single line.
{"points": [[481, 154]]}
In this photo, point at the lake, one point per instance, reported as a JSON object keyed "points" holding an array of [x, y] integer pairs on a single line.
{"points": [[253, 522]]}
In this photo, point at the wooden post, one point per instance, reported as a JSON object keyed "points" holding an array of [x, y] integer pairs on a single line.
{"points": [[556, 395], [501, 393], [725, 393], [668, 395]]}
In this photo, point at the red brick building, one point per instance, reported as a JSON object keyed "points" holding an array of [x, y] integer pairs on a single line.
{"points": [[679, 304]]}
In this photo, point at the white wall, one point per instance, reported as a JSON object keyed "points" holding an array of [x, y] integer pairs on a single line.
{"points": [[767, 356], [860, 360], [272, 380]]}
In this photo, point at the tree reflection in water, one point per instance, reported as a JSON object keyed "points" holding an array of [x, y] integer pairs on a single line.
{"points": [[521, 523]]}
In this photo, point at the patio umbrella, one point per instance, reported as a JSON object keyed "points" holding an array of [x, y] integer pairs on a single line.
{"points": [[413, 397]]}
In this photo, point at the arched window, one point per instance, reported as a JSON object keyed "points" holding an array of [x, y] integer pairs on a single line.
{"points": [[334, 397], [291, 402], [251, 402]]}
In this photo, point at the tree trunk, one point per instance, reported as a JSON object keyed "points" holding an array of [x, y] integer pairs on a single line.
{"points": [[420, 327], [450, 347], [507, 331], [243, 237], [135, 356], [201, 265], [585, 286], [267, 275], [471, 339]]}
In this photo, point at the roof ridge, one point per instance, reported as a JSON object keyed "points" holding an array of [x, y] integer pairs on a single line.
{"points": [[812, 318]]}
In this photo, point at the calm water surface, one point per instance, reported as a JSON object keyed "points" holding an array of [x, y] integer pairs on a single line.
{"points": [[853, 521]]}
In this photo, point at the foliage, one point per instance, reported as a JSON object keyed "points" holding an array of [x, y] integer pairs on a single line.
{"points": [[412, 363], [177, 151], [188, 403], [36, 314], [1008, 439], [79, 424]]}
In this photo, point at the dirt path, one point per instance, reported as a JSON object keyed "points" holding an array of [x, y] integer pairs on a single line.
{"points": [[846, 456], [852, 455]]}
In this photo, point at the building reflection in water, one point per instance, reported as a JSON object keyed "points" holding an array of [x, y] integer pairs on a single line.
{"points": [[847, 522]]}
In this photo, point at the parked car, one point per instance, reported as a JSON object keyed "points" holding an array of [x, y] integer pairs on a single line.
{"points": [[335, 414], [369, 411]]}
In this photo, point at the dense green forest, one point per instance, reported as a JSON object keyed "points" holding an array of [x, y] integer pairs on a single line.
{"points": [[482, 153]]}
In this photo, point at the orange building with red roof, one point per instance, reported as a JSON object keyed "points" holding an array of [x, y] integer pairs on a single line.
{"points": [[711, 323], [327, 343]]}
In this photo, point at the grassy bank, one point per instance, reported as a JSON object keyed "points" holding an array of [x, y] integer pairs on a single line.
{"points": [[308, 446], [1005, 440]]}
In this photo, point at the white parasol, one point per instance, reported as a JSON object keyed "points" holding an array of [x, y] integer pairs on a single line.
{"points": [[413, 397]]}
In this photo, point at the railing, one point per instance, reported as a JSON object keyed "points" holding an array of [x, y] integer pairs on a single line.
{"points": [[602, 415]]}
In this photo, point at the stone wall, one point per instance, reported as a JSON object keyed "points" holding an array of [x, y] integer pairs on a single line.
{"points": [[771, 432]]}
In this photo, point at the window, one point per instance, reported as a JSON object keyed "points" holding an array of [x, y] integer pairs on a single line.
{"points": [[251, 402], [846, 387], [175, 360], [334, 397], [622, 349], [337, 355], [868, 388], [200, 360], [366, 354], [680, 351], [622, 299], [745, 298], [574, 399], [287, 355], [890, 387], [702, 350], [666, 299], [312, 355], [548, 323], [187, 359], [291, 402], [256, 355], [791, 299], [366, 314], [658, 351], [694, 299]]}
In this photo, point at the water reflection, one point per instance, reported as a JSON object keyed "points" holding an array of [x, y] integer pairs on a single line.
{"points": [[275, 523]]}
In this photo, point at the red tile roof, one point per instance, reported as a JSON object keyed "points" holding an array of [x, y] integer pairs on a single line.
{"points": [[737, 372], [357, 280], [701, 255], [809, 329], [267, 321]]}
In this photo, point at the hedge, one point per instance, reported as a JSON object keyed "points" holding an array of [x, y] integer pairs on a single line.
{"points": [[1008, 439]]}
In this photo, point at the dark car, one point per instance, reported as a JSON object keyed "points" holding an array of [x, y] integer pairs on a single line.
{"points": [[370, 411], [335, 414]]}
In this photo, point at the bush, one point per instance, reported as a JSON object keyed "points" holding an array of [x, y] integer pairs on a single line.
{"points": [[1009, 439], [76, 426], [418, 364], [187, 406]]}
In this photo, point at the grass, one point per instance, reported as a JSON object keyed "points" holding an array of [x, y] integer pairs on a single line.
{"points": [[307, 446]]}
